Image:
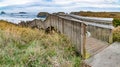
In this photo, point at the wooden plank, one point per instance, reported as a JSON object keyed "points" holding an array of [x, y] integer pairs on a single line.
{"points": [[68, 28], [57, 23], [60, 25], [72, 31], [51, 20], [78, 33], [65, 26]]}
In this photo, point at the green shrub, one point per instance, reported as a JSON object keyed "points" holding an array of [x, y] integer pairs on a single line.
{"points": [[116, 22], [116, 34]]}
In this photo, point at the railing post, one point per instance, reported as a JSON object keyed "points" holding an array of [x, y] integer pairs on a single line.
{"points": [[83, 41], [111, 37]]}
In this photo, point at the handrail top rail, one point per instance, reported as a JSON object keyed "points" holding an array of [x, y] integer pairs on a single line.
{"points": [[89, 23], [93, 18]]}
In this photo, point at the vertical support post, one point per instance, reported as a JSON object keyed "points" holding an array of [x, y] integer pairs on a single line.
{"points": [[111, 37], [58, 23], [50, 24], [50, 20], [83, 41], [63, 26]]}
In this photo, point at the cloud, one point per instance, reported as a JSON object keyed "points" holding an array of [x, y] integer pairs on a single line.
{"points": [[14, 2], [59, 5]]}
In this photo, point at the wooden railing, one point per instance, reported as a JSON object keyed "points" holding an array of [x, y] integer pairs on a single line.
{"points": [[73, 29], [99, 28]]}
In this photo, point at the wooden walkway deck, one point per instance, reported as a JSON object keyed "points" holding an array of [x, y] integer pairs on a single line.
{"points": [[94, 46], [109, 57]]}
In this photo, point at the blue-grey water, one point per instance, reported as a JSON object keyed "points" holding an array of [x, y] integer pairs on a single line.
{"points": [[17, 17]]}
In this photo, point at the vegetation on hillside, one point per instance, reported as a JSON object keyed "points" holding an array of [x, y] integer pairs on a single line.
{"points": [[98, 14], [25, 47], [116, 22], [116, 34]]}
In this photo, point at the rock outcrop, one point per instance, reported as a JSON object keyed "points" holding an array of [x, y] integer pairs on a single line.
{"points": [[2, 12], [22, 12], [59, 13], [43, 14]]}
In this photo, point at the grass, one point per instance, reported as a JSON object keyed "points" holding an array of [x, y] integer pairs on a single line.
{"points": [[116, 22], [25, 47], [116, 34]]}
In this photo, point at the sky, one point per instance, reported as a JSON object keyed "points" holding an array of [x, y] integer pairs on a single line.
{"points": [[59, 5]]}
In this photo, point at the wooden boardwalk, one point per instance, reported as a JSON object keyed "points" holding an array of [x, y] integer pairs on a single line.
{"points": [[94, 46], [109, 57], [76, 29]]}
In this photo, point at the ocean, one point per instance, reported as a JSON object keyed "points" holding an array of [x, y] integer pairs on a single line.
{"points": [[17, 17]]}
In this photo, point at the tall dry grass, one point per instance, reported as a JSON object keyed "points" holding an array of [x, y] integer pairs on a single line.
{"points": [[116, 34], [100, 14], [25, 47]]}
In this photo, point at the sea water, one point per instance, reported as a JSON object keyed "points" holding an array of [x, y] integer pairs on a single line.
{"points": [[17, 18]]}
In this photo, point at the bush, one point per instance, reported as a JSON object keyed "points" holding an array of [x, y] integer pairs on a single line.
{"points": [[116, 34], [116, 22]]}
